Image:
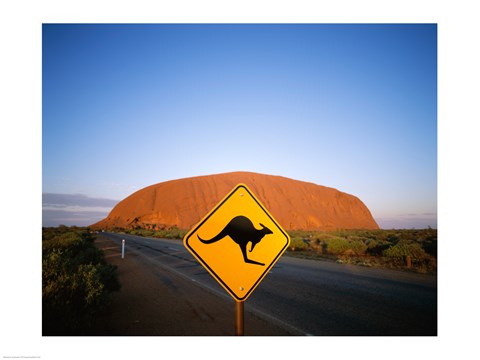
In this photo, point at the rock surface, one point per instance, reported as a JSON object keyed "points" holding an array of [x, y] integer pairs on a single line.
{"points": [[294, 204]]}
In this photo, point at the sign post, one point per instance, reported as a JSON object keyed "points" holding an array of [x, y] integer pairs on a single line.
{"points": [[123, 249], [238, 242], [239, 318]]}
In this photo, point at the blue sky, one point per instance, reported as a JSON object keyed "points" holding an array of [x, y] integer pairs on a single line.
{"points": [[352, 107]]}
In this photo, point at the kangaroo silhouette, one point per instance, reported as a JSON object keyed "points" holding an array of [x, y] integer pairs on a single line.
{"points": [[241, 230]]}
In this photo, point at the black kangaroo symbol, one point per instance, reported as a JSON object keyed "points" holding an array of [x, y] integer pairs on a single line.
{"points": [[241, 230]]}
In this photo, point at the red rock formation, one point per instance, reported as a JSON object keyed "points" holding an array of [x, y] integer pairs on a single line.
{"points": [[294, 204]]}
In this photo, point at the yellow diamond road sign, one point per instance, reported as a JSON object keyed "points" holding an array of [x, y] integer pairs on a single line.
{"points": [[238, 242]]}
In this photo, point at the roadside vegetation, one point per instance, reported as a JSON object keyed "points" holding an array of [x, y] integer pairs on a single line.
{"points": [[415, 250], [77, 283], [169, 233]]}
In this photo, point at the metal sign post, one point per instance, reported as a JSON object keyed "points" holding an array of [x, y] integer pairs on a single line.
{"points": [[123, 249], [239, 316]]}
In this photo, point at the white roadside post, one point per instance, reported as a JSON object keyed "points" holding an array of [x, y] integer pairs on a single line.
{"points": [[123, 248]]}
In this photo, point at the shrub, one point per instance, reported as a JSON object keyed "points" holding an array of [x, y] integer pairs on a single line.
{"points": [[170, 233], [403, 249], [76, 281], [430, 247], [297, 244], [337, 246], [142, 232], [376, 247]]}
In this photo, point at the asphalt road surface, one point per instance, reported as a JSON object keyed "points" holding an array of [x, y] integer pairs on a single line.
{"points": [[303, 297]]}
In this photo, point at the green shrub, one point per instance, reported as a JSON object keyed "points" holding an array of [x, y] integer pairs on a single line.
{"points": [[376, 247], [403, 249], [169, 233], [337, 246], [142, 232], [76, 281], [297, 244], [430, 246]]}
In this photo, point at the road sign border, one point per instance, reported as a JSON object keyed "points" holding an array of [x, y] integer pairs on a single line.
{"points": [[218, 278]]}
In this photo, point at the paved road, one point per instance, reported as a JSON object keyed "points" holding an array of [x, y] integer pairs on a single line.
{"points": [[308, 297]]}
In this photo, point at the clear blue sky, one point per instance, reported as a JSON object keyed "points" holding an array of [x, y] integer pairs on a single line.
{"points": [[352, 107]]}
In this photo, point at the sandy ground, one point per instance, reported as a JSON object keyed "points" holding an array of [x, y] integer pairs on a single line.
{"points": [[153, 302]]}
